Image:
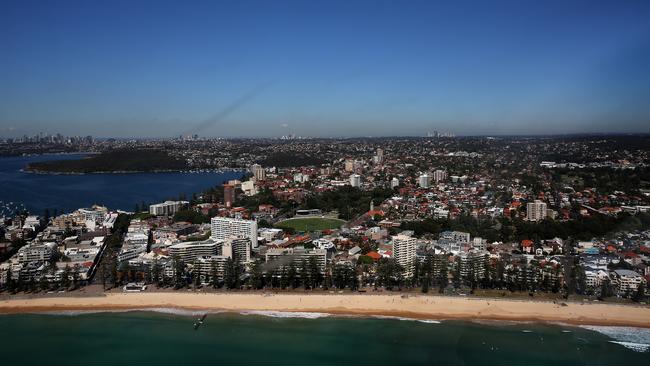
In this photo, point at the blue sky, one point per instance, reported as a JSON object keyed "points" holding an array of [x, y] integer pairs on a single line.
{"points": [[323, 68]]}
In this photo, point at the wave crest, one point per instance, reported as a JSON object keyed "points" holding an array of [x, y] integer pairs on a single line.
{"points": [[636, 339], [285, 314]]}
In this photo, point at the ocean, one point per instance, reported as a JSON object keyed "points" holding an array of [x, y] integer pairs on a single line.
{"points": [[167, 337], [65, 193]]}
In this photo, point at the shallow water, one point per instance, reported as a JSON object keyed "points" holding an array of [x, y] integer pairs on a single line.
{"points": [[273, 338]]}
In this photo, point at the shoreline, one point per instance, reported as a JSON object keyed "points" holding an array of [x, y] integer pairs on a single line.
{"points": [[155, 171], [417, 307]]}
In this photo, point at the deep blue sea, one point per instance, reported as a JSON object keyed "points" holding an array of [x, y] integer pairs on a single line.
{"points": [[146, 338], [66, 193]]}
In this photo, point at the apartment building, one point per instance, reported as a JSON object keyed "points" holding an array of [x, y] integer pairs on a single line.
{"points": [[167, 208], [225, 227], [404, 252], [536, 211], [190, 250], [626, 281], [283, 257]]}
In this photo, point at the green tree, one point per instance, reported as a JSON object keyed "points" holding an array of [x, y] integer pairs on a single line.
{"points": [[43, 284], [292, 276], [179, 272], [389, 273], [214, 275], [257, 276], [65, 277], [639, 294], [155, 272], [304, 275], [315, 273]]}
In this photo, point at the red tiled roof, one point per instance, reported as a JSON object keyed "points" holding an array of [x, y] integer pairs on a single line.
{"points": [[374, 255], [527, 243]]}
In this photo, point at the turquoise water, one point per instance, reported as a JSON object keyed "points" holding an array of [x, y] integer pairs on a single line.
{"points": [[66, 193], [147, 338]]}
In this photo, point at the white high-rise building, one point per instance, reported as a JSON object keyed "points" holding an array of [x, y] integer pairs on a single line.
{"points": [[355, 180], [379, 156], [439, 175], [258, 172], [536, 211], [404, 252], [167, 208], [424, 180], [224, 228], [394, 183]]}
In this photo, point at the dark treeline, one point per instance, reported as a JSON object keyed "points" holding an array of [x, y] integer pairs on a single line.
{"points": [[126, 160], [606, 180], [583, 228], [284, 159]]}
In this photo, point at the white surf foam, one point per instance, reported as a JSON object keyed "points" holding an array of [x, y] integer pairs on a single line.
{"points": [[637, 339], [286, 314], [428, 321], [639, 347]]}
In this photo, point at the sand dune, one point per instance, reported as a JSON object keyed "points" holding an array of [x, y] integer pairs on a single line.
{"points": [[415, 306]]}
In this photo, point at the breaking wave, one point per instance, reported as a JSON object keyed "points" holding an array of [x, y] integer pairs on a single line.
{"points": [[636, 339], [427, 321], [285, 314]]}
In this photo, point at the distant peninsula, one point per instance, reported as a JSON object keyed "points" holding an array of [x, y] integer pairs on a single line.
{"points": [[116, 161]]}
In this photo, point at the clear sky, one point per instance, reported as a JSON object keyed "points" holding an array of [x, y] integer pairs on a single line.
{"points": [[323, 68]]}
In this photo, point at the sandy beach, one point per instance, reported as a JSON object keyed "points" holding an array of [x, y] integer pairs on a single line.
{"points": [[412, 306]]}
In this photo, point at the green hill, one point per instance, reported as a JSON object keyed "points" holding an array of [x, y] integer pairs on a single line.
{"points": [[113, 161]]}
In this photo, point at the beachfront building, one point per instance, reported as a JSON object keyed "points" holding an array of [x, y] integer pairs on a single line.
{"points": [[473, 263], [190, 250], [277, 258], [225, 227], [626, 281], [239, 248], [167, 208], [404, 252], [207, 266]]}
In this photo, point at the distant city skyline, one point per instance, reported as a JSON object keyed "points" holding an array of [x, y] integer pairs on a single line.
{"points": [[324, 69]]}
